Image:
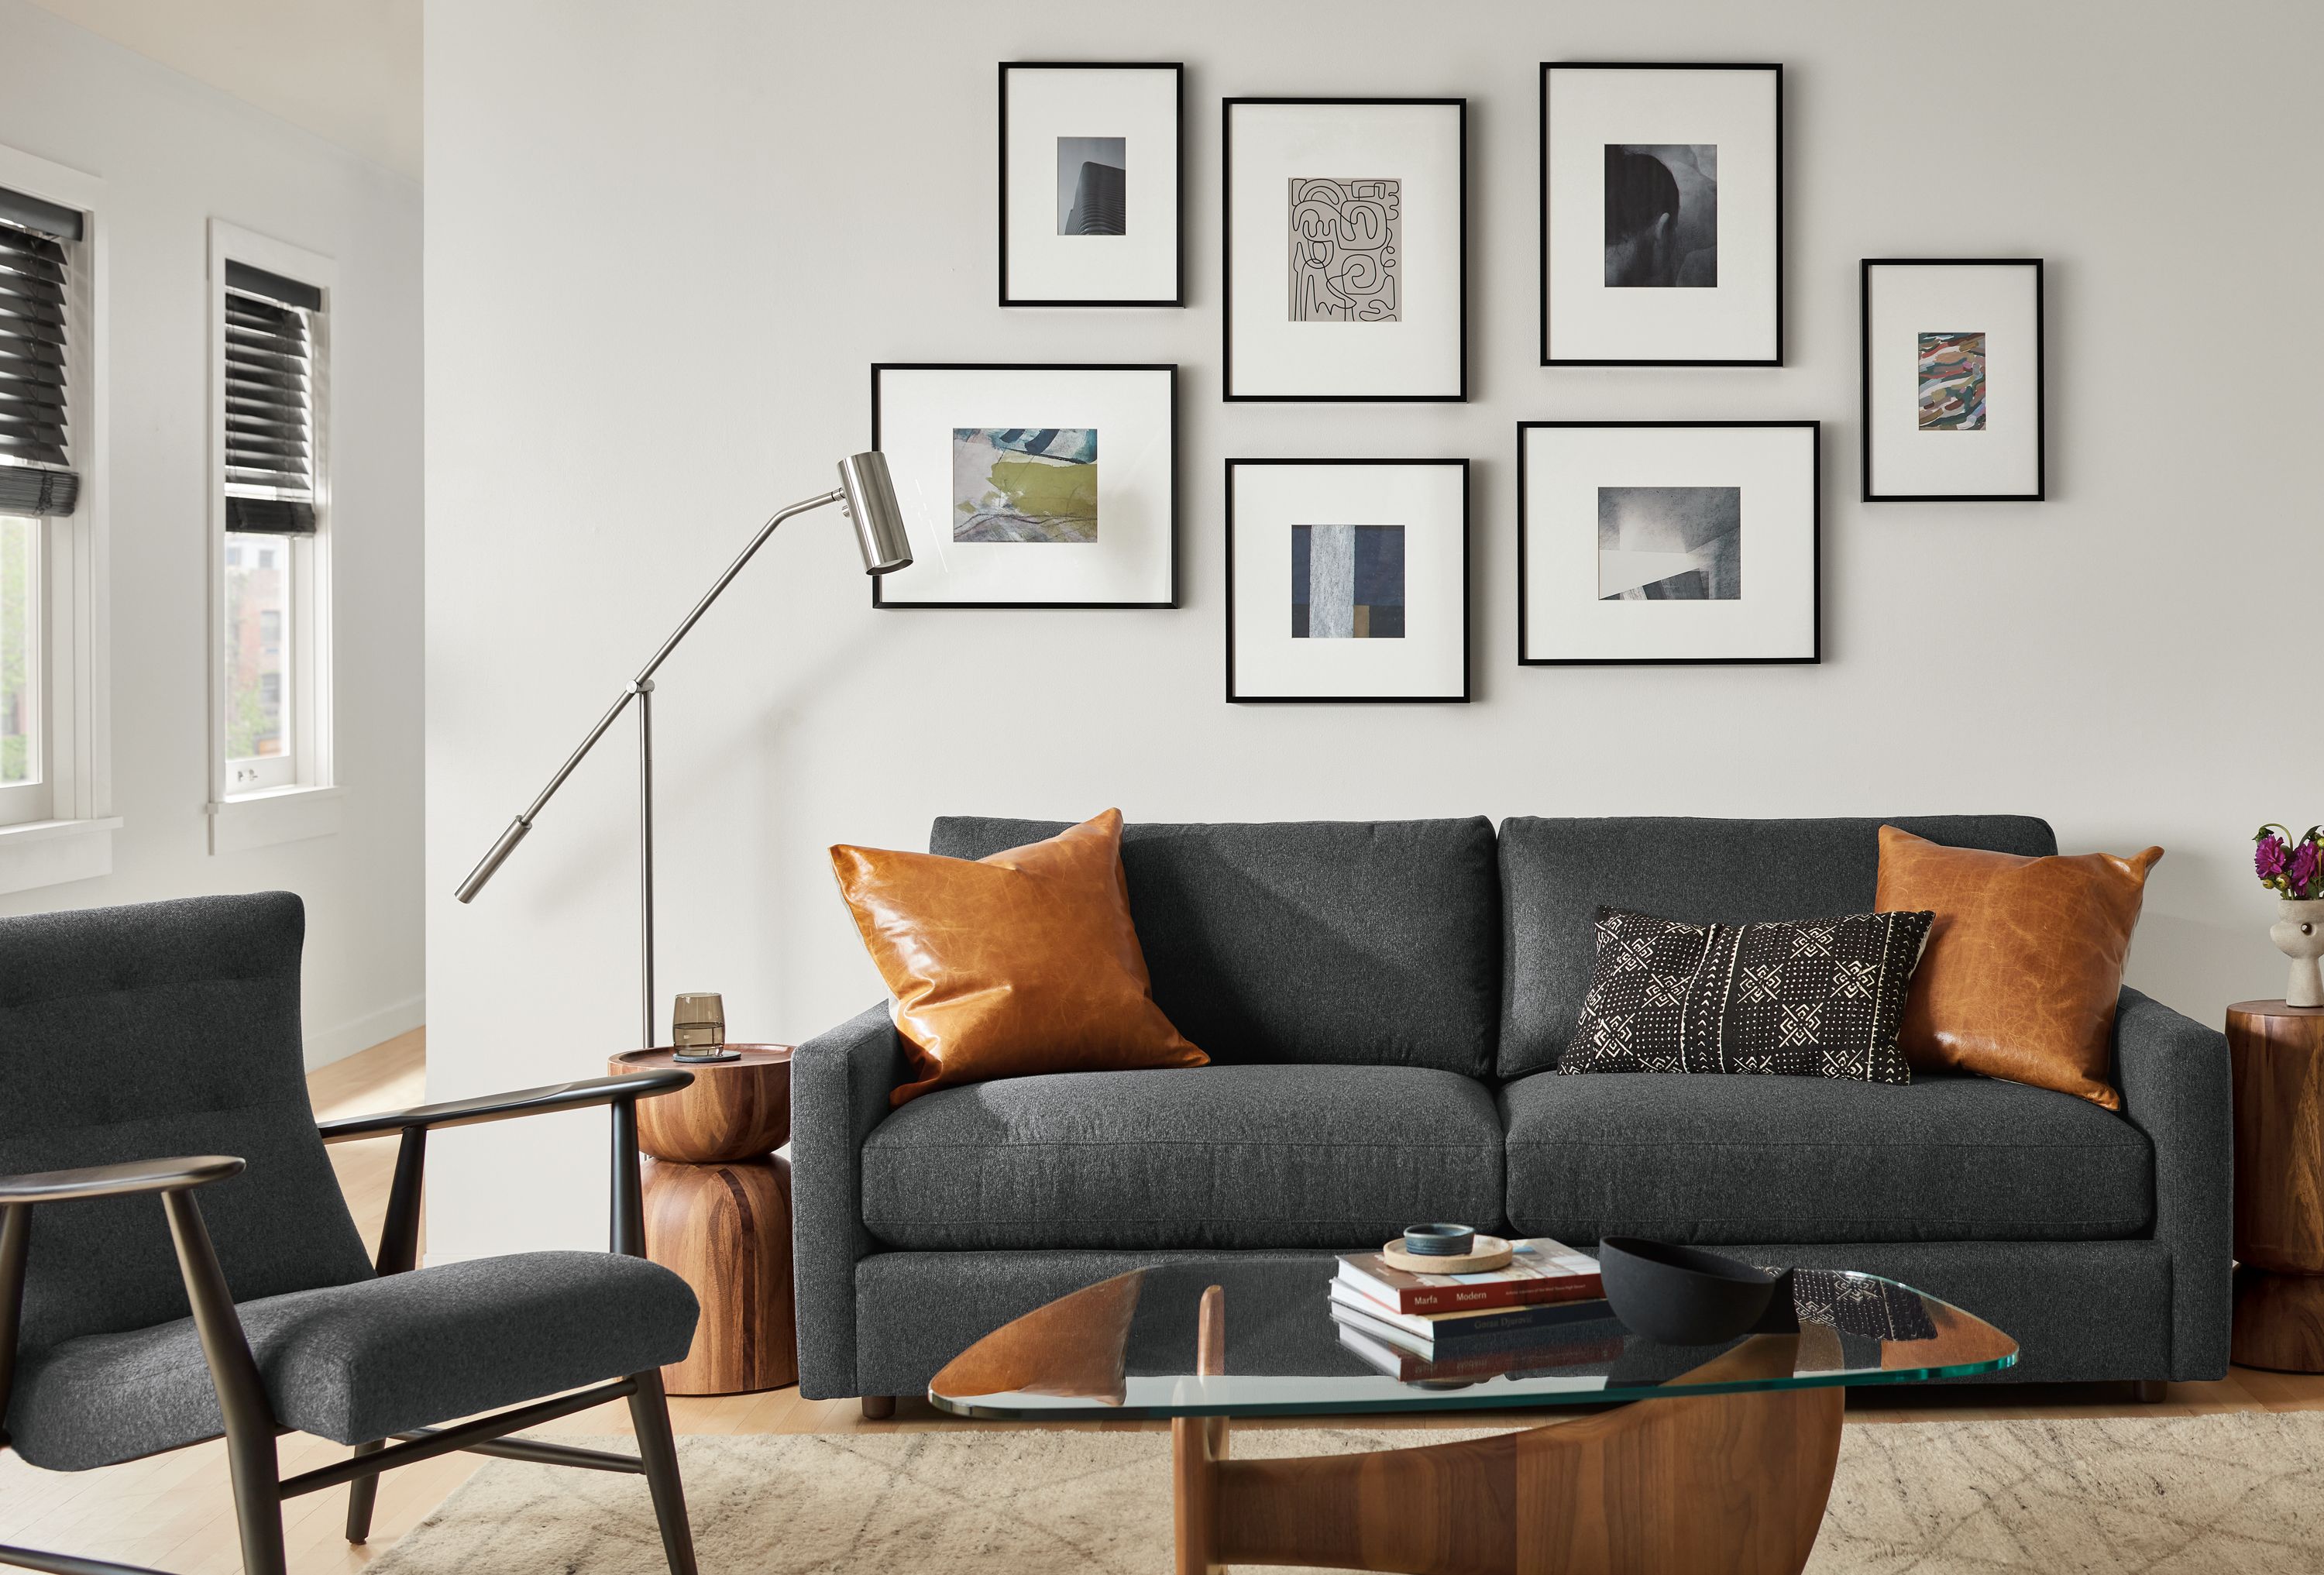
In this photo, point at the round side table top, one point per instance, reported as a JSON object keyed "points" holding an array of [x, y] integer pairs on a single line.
{"points": [[736, 1109], [2272, 1008]]}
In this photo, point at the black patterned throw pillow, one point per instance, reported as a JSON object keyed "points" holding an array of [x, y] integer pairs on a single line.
{"points": [[1818, 997]]}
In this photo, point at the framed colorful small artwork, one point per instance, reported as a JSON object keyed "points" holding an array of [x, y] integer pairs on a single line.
{"points": [[1031, 485], [1953, 400], [1347, 581]]}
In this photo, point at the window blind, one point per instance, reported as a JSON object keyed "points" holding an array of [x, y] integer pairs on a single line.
{"points": [[269, 407], [36, 472]]}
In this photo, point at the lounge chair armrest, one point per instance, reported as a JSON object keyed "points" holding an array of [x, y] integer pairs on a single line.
{"points": [[502, 1107], [115, 1181]]}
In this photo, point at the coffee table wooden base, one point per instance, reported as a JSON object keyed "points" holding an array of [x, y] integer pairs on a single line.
{"points": [[1734, 1483]]}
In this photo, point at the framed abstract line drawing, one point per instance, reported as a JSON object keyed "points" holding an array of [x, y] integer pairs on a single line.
{"points": [[1954, 408], [1093, 184], [1345, 227], [1347, 581], [1668, 541], [1662, 214], [1034, 486]]}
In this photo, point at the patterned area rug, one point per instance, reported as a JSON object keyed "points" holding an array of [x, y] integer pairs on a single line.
{"points": [[2169, 1496]]}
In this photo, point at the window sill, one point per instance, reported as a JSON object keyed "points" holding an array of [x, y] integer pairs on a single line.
{"points": [[50, 852], [278, 814]]}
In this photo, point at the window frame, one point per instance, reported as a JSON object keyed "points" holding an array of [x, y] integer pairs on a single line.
{"points": [[61, 827], [277, 798]]}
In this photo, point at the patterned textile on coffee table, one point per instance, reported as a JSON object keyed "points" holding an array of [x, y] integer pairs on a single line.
{"points": [[1817, 998]]}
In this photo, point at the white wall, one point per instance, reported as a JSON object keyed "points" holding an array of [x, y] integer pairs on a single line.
{"points": [[661, 255], [173, 155]]}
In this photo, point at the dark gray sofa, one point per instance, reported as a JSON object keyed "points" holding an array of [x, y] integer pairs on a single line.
{"points": [[1385, 1005]]}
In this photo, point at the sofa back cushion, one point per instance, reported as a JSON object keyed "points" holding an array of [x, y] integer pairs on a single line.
{"points": [[1357, 943], [1554, 874]]}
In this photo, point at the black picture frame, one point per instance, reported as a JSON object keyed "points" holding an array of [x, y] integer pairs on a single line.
{"points": [[1226, 253], [1541, 296], [1468, 593], [1176, 513], [1815, 656], [2041, 492], [1177, 296]]}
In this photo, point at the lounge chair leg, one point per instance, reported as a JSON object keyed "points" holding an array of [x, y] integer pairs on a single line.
{"points": [[649, 1417], [879, 1407], [362, 1493], [257, 1500]]}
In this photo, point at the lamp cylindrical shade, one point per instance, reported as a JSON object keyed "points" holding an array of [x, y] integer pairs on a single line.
{"points": [[871, 504]]}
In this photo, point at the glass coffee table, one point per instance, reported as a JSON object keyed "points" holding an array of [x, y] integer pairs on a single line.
{"points": [[1714, 1458]]}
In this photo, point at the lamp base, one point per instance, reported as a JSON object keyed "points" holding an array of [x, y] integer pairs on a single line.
{"points": [[684, 1058]]}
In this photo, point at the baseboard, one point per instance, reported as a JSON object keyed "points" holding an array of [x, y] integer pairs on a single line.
{"points": [[324, 1045]]}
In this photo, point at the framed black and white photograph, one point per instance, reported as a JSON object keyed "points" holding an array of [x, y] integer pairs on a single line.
{"points": [[1092, 190], [1346, 239], [1953, 380], [1668, 541], [1347, 580], [1032, 485], [1662, 214]]}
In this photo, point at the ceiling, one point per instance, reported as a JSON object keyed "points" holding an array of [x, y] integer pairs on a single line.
{"points": [[348, 71]]}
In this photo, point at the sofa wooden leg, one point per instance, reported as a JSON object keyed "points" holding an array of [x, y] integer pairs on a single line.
{"points": [[879, 1407], [2149, 1391]]}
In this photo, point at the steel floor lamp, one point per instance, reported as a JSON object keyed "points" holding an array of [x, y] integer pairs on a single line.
{"points": [[868, 498]]}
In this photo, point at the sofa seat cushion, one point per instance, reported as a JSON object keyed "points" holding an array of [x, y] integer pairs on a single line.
{"points": [[1724, 1160], [362, 1361], [1218, 1156]]}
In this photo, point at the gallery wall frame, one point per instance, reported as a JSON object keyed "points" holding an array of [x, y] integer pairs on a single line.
{"points": [[1885, 402], [942, 393], [1440, 358], [1795, 638], [1104, 288], [1759, 318], [1449, 578]]}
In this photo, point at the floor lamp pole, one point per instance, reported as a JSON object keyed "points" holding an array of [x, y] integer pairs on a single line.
{"points": [[643, 689]]}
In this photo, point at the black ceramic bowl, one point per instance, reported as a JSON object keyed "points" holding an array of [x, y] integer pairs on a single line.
{"points": [[1439, 1241], [1682, 1295]]}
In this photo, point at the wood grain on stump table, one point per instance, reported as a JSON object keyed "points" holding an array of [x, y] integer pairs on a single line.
{"points": [[718, 1213], [2276, 1052]]}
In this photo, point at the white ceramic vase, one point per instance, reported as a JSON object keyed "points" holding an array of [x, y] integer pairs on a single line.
{"points": [[2299, 934]]}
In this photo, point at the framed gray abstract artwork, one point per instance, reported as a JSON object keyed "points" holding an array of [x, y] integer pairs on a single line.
{"points": [[1092, 190], [1662, 214], [1668, 541], [1346, 233], [1347, 581]]}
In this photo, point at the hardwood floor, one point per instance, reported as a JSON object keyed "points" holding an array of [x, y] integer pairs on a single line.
{"points": [[174, 1512]]}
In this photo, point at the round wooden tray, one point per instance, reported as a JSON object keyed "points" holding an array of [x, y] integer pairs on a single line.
{"points": [[1486, 1254]]}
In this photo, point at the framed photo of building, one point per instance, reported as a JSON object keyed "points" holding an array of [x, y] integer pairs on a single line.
{"points": [[1346, 248], [1093, 184], [1668, 541], [1347, 581], [1662, 214], [1953, 406], [1032, 485]]}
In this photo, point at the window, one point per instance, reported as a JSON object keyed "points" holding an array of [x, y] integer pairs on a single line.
{"points": [[271, 673], [39, 488]]}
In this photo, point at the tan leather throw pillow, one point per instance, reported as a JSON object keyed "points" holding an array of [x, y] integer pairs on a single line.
{"points": [[1022, 963], [2024, 964]]}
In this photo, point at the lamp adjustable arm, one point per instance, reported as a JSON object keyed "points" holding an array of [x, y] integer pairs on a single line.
{"points": [[638, 686]]}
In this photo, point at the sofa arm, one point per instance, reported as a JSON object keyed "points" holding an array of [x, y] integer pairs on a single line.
{"points": [[840, 1085], [2172, 1073]]}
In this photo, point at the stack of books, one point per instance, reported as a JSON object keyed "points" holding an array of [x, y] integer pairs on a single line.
{"points": [[1546, 1310]]}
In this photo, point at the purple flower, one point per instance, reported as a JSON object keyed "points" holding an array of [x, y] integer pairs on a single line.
{"points": [[2269, 858], [2304, 860]]}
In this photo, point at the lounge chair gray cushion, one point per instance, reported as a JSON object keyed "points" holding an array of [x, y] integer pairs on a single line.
{"points": [[1373, 942], [362, 1361], [1555, 872], [1229, 1156], [1718, 1160]]}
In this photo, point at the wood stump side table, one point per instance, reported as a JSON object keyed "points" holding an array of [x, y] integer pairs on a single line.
{"points": [[2276, 1052], [718, 1213]]}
